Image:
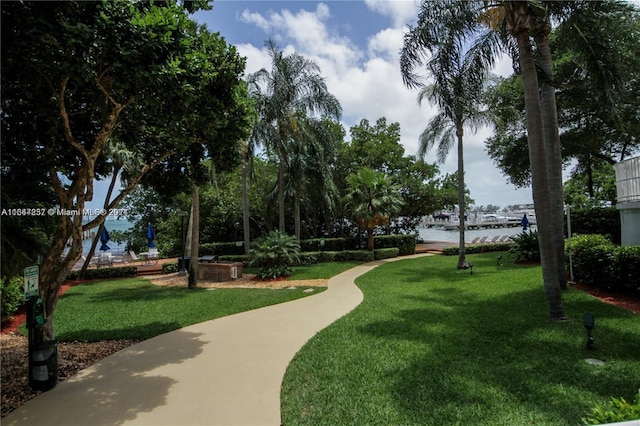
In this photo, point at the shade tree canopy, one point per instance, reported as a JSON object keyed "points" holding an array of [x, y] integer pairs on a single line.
{"points": [[77, 74]]}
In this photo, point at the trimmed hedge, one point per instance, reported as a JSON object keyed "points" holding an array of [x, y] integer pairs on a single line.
{"points": [[330, 244], [597, 220], [406, 244], [479, 248], [313, 257], [90, 274], [386, 253], [219, 249], [599, 263], [169, 268]]}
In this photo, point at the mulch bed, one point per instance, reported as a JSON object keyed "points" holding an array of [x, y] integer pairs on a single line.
{"points": [[630, 303]]}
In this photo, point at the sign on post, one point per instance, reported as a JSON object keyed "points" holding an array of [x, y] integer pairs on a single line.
{"points": [[31, 274]]}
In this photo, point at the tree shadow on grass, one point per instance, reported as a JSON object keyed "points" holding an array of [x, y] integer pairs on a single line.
{"points": [[115, 390], [487, 353]]}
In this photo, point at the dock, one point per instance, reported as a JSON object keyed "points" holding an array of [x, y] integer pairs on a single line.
{"points": [[483, 225]]}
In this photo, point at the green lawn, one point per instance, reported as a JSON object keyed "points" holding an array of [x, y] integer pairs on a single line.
{"points": [[434, 345], [136, 309]]}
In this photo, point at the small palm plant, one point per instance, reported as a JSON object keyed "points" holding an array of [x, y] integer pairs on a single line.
{"points": [[274, 254], [525, 248]]}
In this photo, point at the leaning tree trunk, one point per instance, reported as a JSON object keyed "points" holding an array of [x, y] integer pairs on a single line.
{"points": [[540, 183], [195, 237], [552, 145], [107, 199], [461, 201]]}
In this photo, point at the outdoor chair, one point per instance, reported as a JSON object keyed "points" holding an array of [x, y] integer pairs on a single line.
{"points": [[152, 257], [104, 260], [134, 256], [475, 240], [482, 240]]}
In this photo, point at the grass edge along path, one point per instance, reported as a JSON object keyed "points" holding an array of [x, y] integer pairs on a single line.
{"points": [[136, 309], [434, 345]]}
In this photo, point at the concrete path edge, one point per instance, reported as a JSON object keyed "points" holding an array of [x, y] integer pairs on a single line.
{"points": [[226, 371]]}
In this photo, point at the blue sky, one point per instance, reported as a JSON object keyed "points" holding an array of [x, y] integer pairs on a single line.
{"points": [[357, 44]]}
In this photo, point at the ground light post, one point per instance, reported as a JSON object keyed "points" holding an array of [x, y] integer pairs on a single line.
{"points": [[568, 211], [183, 271]]}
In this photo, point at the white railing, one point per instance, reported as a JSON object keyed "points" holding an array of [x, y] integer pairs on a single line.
{"points": [[628, 180]]}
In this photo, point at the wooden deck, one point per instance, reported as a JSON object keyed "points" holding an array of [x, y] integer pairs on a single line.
{"points": [[433, 246]]}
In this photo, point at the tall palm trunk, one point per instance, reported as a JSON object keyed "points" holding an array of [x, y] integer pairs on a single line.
{"points": [[245, 202], [461, 201], [195, 237], [552, 145], [296, 221], [281, 178], [540, 183]]}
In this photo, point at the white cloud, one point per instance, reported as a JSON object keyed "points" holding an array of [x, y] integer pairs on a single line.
{"points": [[401, 12], [368, 84]]}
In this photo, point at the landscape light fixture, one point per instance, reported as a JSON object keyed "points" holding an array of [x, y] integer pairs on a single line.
{"points": [[589, 323], [499, 259], [471, 267]]}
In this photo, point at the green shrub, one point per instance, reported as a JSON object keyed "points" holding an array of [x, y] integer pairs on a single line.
{"points": [[169, 268], [591, 258], [627, 265], [220, 249], [236, 258], [274, 254], [11, 295], [475, 249], [102, 273], [598, 262], [358, 255], [386, 253], [524, 247], [617, 410], [406, 244], [330, 244], [309, 258], [596, 220]]}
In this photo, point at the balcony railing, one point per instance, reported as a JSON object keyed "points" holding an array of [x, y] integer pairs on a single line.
{"points": [[628, 180]]}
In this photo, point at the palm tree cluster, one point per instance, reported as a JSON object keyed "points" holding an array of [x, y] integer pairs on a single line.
{"points": [[455, 35], [291, 100], [297, 123]]}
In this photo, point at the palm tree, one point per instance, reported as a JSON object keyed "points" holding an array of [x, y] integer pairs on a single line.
{"points": [[457, 90], [309, 174], [246, 149], [372, 199], [471, 23], [293, 86]]}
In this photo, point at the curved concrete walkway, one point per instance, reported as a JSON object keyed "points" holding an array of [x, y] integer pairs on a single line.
{"points": [[226, 371]]}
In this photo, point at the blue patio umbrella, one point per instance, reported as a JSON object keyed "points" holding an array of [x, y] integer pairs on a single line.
{"points": [[150, 236], [104, 238], [524, 222]]}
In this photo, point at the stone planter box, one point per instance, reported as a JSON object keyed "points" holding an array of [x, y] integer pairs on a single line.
{"points": [[219, 271]]}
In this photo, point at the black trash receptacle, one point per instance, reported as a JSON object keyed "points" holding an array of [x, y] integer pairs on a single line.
{"points": [[186, 264], [43, 365]]}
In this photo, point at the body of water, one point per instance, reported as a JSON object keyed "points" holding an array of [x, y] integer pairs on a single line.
{"points": [[439, 234], [111, 225]]}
